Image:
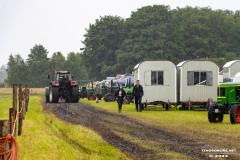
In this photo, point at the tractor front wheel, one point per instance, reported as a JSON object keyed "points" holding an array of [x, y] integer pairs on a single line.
{"points": [[109, 98], [214, 114], [235, 114]]}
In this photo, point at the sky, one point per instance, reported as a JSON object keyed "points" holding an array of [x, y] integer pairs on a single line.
{"points": [[59, 25]]}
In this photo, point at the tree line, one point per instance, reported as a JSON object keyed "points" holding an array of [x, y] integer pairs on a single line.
{"points": [[115, 45]]}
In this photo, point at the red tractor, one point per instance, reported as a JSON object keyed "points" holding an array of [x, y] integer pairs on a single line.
{"points": [[62, 86]]}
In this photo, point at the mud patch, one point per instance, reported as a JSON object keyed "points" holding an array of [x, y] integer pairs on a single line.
{"points": [[109, 124]]}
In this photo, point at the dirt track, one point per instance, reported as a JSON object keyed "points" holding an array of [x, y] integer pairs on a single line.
{"points": [[110, 126]]}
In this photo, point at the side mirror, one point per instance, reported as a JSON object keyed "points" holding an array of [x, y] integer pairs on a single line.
{"points": [[72, 77], [48, 76]]}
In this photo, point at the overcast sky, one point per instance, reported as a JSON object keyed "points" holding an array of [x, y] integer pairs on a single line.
{"points": [[59, 25]]}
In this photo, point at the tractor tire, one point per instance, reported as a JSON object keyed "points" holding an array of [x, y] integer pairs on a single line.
{"points": [[235, 114], [109, 98], [47, 94], [53, 95], [47, 99], [91, 97], [214, 117], [75, 95]]}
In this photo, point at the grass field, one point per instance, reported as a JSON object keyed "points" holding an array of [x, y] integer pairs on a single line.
{"points": [[33, 91], [45, 136], [189, 124]]}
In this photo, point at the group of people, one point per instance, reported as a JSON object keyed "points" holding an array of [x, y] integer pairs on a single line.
{"points": [[137, 93]]}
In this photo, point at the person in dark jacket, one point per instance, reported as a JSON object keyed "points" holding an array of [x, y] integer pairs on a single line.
{"points": [[120, 95], [138, 93]]}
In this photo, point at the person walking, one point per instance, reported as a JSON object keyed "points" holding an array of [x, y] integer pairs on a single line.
{"points": [[97, 92], [138, 93], [120, 95]]}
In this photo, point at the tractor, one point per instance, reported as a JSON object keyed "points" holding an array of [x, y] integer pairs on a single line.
{"points": [[228, 102], [63, 87]]}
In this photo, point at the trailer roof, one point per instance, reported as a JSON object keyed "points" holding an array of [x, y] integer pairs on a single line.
{"points": [[196, 60], [228, 64]]}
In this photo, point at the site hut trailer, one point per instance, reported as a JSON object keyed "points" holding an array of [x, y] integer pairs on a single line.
{"points": [[158, 79], [230, 69], [197, 83]]}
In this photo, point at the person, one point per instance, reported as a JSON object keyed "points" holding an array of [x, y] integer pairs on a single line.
{"points": [[120, 95], [138, 93], [97, 92]]}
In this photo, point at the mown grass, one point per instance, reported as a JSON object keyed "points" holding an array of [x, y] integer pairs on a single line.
{"points": [[189, 124], [44, 136], [33, 91], [170, 119], [5, 104]]}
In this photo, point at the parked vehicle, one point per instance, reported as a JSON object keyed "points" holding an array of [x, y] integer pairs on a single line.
{"points": [[228, 102], [62, 86]]}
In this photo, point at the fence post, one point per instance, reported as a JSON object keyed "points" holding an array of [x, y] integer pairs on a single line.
{"points": [[14, 107], [20, 97]]}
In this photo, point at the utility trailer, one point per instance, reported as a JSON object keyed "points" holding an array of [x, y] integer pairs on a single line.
{"points": [[228, 102], [158, 79], [230, 69], [197, 82]]}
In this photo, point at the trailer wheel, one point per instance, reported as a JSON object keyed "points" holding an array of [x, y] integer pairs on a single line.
{"points": [[167, 106], [235, 114], [214, 114]]}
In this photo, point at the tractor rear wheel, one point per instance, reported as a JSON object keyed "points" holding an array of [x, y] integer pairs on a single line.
{"points": [[214, 114], [75, 95], [235, 114], [53, 94]]}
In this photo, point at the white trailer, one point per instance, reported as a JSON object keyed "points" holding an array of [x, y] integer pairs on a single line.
{"points": [[230, 69], [158, 79], [197, 82]]}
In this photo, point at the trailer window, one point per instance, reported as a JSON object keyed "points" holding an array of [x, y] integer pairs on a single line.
{"points": [[157, 78], [199, 78]]}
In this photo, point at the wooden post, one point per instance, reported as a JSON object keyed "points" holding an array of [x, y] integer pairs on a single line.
{"points": [[15, 106], [20, 97], [4, 127]]}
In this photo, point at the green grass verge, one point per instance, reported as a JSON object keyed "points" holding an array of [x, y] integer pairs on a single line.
{"points": [[178, 119], [5, 104], [44, 136], [188, 124]]}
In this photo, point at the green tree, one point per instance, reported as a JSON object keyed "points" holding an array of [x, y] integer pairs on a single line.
{"points": [[57, 61], [38, 65], [101, 42], [16, 70], [74, 64], [146, 36]]}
